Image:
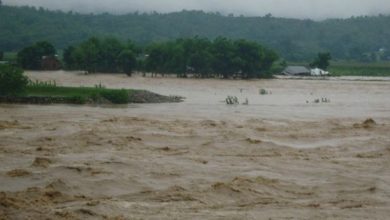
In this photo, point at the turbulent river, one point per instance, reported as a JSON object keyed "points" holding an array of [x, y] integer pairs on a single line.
{"points": [[309, 149]]}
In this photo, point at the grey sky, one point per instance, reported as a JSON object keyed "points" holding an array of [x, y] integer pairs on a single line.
{"points": [[315, 9]]}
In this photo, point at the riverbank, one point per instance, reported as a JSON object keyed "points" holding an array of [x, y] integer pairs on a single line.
{"points": [[49, 94]]}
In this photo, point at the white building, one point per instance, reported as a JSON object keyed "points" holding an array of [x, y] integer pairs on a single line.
{"points": [[318, 72]]}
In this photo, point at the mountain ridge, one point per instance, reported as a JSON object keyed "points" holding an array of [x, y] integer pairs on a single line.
{"points": [[358, 38]]}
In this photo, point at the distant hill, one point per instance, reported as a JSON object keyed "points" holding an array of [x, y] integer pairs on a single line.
{"points": [[359, 38]]}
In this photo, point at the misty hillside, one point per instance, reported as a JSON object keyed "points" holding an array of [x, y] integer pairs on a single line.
{"points": [[360, 38]]}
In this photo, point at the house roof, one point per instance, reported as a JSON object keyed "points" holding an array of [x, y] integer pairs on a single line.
{"points": [[296, 70]]}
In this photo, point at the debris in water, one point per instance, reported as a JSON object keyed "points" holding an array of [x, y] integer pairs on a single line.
{"points": [[232, 100]]}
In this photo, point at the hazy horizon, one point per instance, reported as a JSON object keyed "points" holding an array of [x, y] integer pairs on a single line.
{"points": [[302, 9]]}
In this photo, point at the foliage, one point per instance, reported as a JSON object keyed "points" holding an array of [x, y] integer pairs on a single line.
{"points": [[219, 58], [321, 61], [106, 55], [360, 69], [12, 81], [202, 57], [127, 61], [31, 57], [263, 92], [355, 38], [116, 96], [1, 55], [232, 100], [10, 57]]}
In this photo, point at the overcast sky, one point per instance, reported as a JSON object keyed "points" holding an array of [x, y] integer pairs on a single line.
{"points": [[314, 9]]}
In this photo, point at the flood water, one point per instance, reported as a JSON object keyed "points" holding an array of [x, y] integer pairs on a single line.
{"points": [[288, 98], [282, 156]]}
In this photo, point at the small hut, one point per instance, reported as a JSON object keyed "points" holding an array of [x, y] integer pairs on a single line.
{"points": [[296, 71], [50, 63]]}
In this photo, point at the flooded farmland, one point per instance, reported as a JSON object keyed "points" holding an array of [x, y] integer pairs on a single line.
{"points": [[308, 149]]}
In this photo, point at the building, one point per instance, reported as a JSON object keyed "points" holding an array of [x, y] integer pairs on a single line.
{"points": [[318, 72], [50, 63], [296, 71]]}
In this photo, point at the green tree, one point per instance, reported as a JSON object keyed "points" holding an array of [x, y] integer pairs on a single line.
{"points": [[269, 58], [200, 61], [107, 55], [31, 57], [88, 55], [12, 81], [69, 58], [322, 61], [249, 58], [127, 61], [109, 50], [223, 57], [1, 55]]}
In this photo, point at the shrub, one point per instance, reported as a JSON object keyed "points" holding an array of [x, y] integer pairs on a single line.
{"points": [[232, 100], [263, 92], [116, 96], [12, 81], [78, 100]]}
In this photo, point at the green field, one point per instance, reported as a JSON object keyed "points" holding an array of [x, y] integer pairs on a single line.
{"points": [[359, 69], [10, 56], [82, 94]]}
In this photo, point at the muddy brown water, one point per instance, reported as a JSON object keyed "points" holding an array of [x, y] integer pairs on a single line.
{"points": [[283, 156]]}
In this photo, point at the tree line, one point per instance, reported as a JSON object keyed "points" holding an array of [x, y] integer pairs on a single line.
{"points": [[107, 55], [222, 57], [357, 38]]}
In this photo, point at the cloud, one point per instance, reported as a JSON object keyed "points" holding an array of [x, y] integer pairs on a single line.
{"points": [[314, 9]]}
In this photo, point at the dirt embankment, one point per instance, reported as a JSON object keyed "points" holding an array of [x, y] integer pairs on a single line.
{"points": [[139, 96], [143, 96]]}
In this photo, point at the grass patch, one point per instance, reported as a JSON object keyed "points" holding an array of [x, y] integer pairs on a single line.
{"points": [[79, 95], [10, 57], [360, 69]]}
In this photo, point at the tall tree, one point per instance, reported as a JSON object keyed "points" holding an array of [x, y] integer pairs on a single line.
{"points": [[107, 55], [31, 57], [127, 61], [321, 61]]}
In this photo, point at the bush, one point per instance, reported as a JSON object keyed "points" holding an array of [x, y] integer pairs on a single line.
{"points": [[116, 96], [12, 81], [77, 99], [263, 92]]}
